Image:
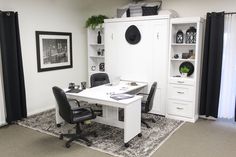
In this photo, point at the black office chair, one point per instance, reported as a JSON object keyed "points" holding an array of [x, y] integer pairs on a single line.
{"points": [[98, 79], [73, 116], [147, 104]]}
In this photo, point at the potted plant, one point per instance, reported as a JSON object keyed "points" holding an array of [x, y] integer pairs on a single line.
{"points": [[184, 71], [95, 21]]}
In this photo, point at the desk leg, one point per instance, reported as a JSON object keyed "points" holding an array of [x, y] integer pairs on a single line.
{"points": [[132, 120]]}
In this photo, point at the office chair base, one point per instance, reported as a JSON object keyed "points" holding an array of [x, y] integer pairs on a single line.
{"points": [[145, 123], [77, 137], [140, 135], [127, 145]]}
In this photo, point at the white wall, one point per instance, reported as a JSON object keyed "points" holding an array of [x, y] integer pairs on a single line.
{"points": [[199, 7], [54, 15]]}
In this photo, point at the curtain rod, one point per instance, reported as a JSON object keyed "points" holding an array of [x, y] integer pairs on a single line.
{"points": [[230, 13]]}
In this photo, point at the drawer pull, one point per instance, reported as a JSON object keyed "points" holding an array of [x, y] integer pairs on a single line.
{"points": [[179, 108], [180, 81], [180, 92]]}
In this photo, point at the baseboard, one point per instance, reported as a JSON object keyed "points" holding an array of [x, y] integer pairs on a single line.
{"points": [[192, 120], [2, 124], [40, 110]]}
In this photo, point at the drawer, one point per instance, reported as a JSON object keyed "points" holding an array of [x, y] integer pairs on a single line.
{"points": [[183, 109], [180, 92], [181, 81]]}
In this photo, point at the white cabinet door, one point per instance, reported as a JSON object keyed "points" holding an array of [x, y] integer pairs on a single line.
{"points": [[159, 69], [145, 61], [131, 62]]}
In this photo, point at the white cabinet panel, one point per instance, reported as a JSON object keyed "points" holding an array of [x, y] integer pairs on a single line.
{"points": [[183, 92], [179, 92], [179, 108], [145, 61]]}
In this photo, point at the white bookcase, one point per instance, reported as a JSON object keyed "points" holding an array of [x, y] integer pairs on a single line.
{"points": [[94, 57], [183, 92]]}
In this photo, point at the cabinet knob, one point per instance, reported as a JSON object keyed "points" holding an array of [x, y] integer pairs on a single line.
{"points": [[179, 108], [180, 92], [180, 81]]}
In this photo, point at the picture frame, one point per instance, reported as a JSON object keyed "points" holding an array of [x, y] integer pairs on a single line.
{"points": [[54, 50]]}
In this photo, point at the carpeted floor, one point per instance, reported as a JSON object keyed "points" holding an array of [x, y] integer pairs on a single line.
{"points": [[110, 139]]}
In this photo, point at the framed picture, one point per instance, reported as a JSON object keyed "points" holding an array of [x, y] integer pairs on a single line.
{"points": [[54, 50]]}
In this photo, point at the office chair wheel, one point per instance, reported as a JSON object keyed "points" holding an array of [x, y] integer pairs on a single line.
{"points": [[126, 145], [153, 120], [140, 135], [67, 145], [58, 125], [95, 134], [61, 137], [89, 144]]}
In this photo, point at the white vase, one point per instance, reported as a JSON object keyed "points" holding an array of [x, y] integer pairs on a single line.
{"points": [[184, 75]]}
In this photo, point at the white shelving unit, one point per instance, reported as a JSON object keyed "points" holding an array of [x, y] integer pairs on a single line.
{"points": [[94, 58], [183, 92]]}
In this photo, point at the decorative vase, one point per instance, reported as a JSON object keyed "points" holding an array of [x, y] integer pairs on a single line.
{"points": [[191, 35], [99, 38], [102, 67], [184, 75], [179, 37]]}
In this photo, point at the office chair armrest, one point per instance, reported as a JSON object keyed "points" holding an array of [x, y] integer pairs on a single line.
{"points": [[76, 101], [142, 94], [75, 110]]}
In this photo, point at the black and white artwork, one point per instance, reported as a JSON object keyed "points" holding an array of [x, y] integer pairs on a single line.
{"points": [[54, 50]]}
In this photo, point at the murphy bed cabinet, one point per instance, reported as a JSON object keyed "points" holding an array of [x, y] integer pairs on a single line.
{"points": [[145, 61], [184, 91]]}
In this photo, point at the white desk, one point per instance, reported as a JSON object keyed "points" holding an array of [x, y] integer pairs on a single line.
{"points": [[131, 106]]}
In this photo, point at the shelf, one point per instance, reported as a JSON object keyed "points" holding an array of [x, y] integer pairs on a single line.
{"points": [[96, 56], [189, 60], [95, 44], [176, 44]]}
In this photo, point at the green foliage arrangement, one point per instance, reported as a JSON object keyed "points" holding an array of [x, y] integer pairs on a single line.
{"points": [[95, 21], [184, 69]]}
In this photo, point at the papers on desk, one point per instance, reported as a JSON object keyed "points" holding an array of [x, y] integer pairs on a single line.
{"points": [[121, 96]]}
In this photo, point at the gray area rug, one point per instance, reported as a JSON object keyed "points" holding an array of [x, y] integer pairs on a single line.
{"points": [[110, 139]]}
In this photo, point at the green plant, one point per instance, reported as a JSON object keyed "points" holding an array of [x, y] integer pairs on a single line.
{"points": [[95, 21], [184, 69]]}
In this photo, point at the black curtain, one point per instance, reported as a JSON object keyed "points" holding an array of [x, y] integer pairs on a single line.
{"points": [[12, 67], [212, 63]]}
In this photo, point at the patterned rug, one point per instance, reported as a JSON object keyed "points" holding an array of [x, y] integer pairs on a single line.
{"points": [[110, 139]]}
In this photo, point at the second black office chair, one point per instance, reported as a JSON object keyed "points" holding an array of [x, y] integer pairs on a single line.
{"points": [[73, 116], [98, 79], [148, 104]]}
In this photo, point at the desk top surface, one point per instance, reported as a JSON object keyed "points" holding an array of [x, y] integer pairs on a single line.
{"points": [[104, 92]]}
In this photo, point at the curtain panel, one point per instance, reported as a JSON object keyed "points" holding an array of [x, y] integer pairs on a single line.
{"points": [[212, 62], [13, 76]]}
